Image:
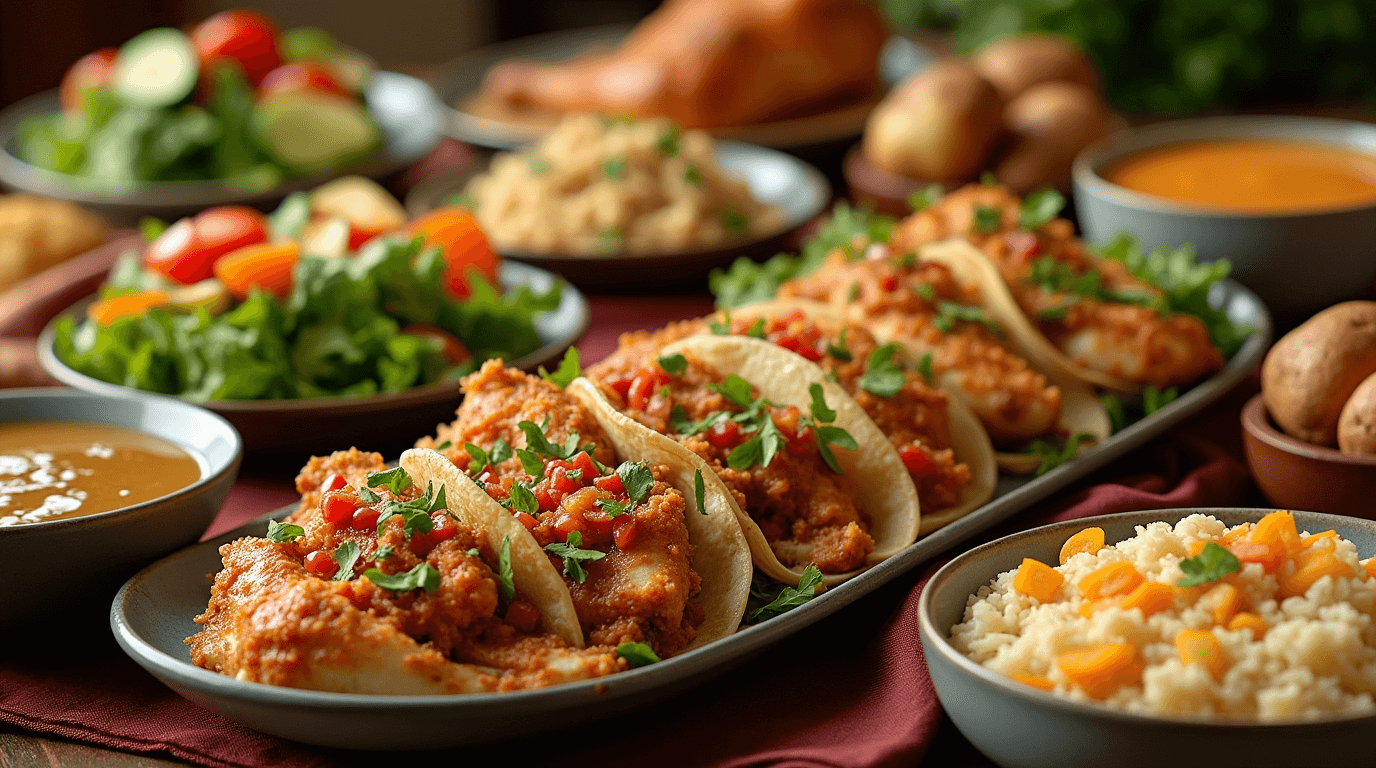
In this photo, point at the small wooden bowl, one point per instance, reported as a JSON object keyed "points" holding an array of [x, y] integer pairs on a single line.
{"points": [[1298, 475], [884, 191]]}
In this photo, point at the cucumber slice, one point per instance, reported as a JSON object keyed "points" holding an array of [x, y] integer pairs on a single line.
{"points": [[310, 132], [157, 68]]}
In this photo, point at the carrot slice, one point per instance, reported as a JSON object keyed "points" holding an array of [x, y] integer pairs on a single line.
{"points": [[1315, 538], [1311, 567], [1113, 579], [107, 311], [1036, 681], [1150, 597], [1037, 579], [1269, 556], [1227, 601], [1277, 529], [1250, 621], [1369, 565], [1089, 540], [266, 265], [1100, 670], [1199, 646]]}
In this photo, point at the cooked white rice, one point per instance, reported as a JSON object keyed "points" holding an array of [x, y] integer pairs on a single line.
{"points": [[1316, 659], [598, 186]]}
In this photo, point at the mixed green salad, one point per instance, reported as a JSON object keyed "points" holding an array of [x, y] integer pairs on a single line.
{"points": [[233, 100]]}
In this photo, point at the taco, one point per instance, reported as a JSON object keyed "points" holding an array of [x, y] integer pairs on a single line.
{"points": [[939, 319], [381, 583], [813, 480], [1071, 311], [646, 553]]}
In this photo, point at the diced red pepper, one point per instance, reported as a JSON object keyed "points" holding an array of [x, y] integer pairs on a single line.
{"points": [[611, 484], [443, 527], [338, 507], [724, 434], [915, 459]]}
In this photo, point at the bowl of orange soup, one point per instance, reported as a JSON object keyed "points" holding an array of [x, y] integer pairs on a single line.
{"points": [[1289, 201], [93, 487]]}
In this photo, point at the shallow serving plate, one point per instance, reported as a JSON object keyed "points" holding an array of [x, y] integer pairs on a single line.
{"points": [[775, 178], [470, 120], [407, 110], [83, 559], [315, 425], [1020, 727], [153, 614]]}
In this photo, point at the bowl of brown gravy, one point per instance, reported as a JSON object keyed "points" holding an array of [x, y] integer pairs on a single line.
{"points": [[93, 487], [1290, 202]]}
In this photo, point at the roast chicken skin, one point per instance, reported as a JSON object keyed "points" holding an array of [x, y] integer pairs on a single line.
{"points": [[713, 64]]}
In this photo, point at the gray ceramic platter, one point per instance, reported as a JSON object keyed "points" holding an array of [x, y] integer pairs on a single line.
{"points": [[1020, 727], [410, 116], [792, 185], [327, 423], [152, 615]]}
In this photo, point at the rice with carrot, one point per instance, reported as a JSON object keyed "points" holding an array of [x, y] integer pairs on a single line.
{"points": [[1255, 622]]}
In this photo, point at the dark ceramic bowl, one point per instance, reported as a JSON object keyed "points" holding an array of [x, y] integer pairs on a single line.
{"points": [[1298, 263], [51, 566], [1296, 474], [1020, 727], [325, 424]]}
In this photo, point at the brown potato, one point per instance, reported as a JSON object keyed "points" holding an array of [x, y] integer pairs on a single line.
{"points": [[1357, 422], [1050, 123], [940, 125], [1018, 62], [1311, 372]]}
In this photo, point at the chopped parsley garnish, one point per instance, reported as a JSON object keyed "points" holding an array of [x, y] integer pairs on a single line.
{"points": [[1121, 415], [756, 329], [281, 533], [735, 389], [905, 261], [567, 371], [693, 176], [367, 495], [1058, 312], [988, 179], [882, 376], [1154, 399], [721, 327], [531, 463], [539, 165], [415, 514], [667, 143], [573, 556], [637, 479], [925, 291], [439, 503], [383, 553], [987, 220], [1039, 208], [537, 442], [791, 597], [474, 552], [759, 449], [615, 168], [523, 500], [948, 313], [444, 446], [735, 221], [395, 480], [1055, 275], [838, 348], [699, 492], [345, 555], [925, 197], [500, 452], [504, 573], [611, 239], [1052, 455], [1211, 564], [637, 654], [819, 408], [924, 366], [674, 365], [854, 292], [612, 507], [678, 419], [423, 576]]}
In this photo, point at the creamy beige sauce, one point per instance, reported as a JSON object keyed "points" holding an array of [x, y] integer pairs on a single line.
{"points": [[57, 470], [1252, 175]]}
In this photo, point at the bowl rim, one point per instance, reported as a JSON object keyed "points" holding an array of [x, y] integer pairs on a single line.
{"points": [[1256, 422], [343, 405], [939, 641], [214, 473], [1088, 164]]}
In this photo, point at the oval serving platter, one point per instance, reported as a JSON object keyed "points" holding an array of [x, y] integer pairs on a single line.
{"points": [[410, 116], [794, 186], [323, 424], [153, 613]]}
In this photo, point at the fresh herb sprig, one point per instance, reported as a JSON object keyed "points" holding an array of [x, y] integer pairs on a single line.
{"points": [[1211, 564], [1053, 455], [789, 598]]}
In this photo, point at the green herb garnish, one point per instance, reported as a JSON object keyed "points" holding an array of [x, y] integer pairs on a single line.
{"points": [[735, 221], [615, 168], [612, 507], [531, 463], [925, 197], [281, 533], [501, 451], [504, 572], [637, 654], [699, 491], [674, 365], [423, 576], [567, 371], [882, 376], [948, 313], [573, 556], [791, 597], [637, 479], [987, 220], [667, 143], [1052, 455], [345, 555], [395, 480], [1040, 208], [838, 349], [693, 176], [1211, 564], [924, 366], [539, 165]]}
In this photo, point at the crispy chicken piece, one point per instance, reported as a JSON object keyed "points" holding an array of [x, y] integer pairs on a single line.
{"points": [[713, 63]]}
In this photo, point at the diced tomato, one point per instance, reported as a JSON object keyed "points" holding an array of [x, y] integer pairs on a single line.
{"points": [[420, 544], [724, 434], [646, 383], [364, 519], [801, 443], [187, 251], [320, 564], [247, 39], [583, 462], [444, 528], [567, 523], [528, 520], [338, 507], [812, 351], [1024, 245], [789, 342], [301, 76], [624, 535], [560, 482], [545, 498], [915, 459], [451, 347], [611, 484], [523, 616], [94, 70], [333, 483], [599, 521], [889, 283], [465, 247], [621, 385]]}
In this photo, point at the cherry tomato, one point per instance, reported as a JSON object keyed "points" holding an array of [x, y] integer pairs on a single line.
{"points": [[337, 507], [624, 536], [465, 247], [301, 76], [364, 519], [611, 484], [453, 350], [245, 38], [94, 70], [915, 459], [333, 483], [724, 434], [444, 528], [523, 616], [320, 564], [186, 253]]}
